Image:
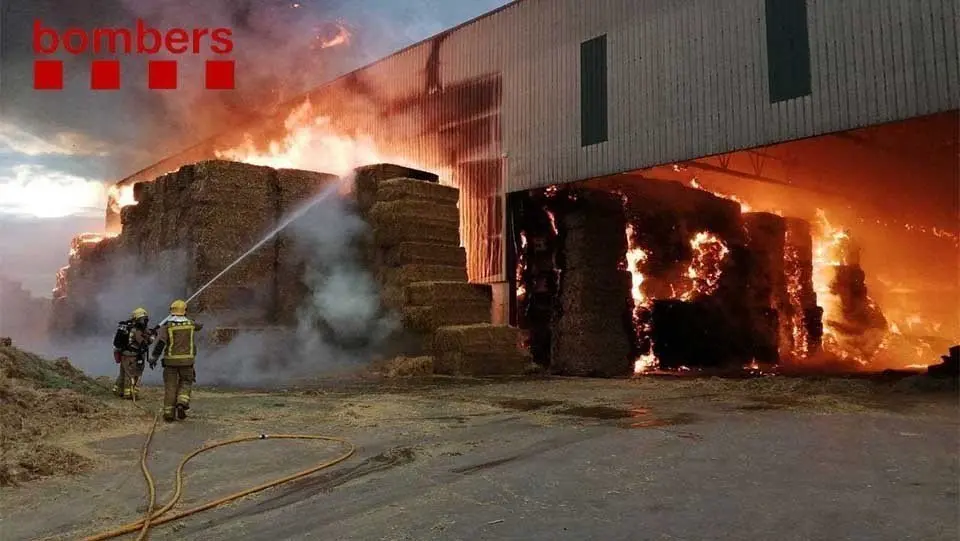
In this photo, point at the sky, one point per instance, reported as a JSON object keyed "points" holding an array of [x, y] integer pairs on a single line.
{"points": [[59, 150]]}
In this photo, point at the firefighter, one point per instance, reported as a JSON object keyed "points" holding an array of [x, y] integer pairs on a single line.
{"points": [[176, 342], [131, 344]]}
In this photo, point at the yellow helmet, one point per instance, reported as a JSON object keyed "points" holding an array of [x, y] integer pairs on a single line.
{"points": [[178, 308], [138, 313]]}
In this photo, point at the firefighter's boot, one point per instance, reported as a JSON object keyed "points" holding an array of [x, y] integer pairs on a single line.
{"points": [[168, 414], [181, 411]]}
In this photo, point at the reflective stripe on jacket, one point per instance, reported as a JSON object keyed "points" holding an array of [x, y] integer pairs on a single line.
{"points": [[180, 341]]}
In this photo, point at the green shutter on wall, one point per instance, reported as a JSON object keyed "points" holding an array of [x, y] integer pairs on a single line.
{"points": [[788, 49], [593, 91]]}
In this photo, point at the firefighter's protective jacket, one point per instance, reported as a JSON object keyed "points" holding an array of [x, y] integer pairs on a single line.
{"points": [[176, 341]]}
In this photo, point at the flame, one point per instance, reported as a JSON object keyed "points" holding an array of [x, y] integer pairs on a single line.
{"points": [[120, 196], [705, 269], [312, 143], [799, 333], [636, 258], [521, 267]]}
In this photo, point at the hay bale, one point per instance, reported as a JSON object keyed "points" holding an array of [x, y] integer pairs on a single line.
{"points": [[403, 189], [590, 352], [222, 336], [217, 181], [401, 367], [421, 253], [296, 185], [408, 274], [227, 298], [428, 293], [367, 181], [478, 350], [423, 213], [430, 318], [408, 231]]}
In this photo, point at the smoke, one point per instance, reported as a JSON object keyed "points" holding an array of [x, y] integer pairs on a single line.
{"points": [[109, 294], [341, 323]]}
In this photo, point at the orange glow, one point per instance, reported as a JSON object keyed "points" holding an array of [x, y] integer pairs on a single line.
{"points": [[311, 143], [704, 271], [120, 196]]}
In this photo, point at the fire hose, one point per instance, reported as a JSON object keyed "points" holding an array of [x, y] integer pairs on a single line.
{"points": [[152, 518]]}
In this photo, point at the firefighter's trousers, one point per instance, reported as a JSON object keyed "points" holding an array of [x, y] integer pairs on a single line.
{"points": [[129, 379], [177, 384]]}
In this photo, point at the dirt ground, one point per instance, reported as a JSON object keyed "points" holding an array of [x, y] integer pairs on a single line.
{"points": [[653, 458]]}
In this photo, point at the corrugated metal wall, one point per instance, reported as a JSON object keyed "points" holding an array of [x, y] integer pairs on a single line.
{"points": [[690, 78]]}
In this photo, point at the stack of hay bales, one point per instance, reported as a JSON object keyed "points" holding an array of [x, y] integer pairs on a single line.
{"points": [[767, 296], [295, 189], [807, 324], [592, 330], [211, 213], [421, 268]]}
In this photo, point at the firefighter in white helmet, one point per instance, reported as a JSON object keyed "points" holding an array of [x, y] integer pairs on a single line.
{"points": [[131, 344], [176, 342]]}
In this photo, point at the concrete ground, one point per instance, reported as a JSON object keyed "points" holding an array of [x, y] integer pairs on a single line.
{"points": [[558, 459]]}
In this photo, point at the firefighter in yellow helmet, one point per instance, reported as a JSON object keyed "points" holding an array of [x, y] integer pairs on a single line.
{"points": [[176, 342], [131, 344]]}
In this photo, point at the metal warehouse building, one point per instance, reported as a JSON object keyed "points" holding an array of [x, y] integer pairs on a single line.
{"points": [[542, 92]]}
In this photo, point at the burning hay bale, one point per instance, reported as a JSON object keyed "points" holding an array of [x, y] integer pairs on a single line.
{"points": [[861, 326], [478, 350], [806, 318], [591, 329]]}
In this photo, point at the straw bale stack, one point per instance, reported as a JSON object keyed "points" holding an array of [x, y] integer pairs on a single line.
{"points": [[592, 333], [767, 296], [218, 181], [478, 350], [295, 188], [368, 179]]}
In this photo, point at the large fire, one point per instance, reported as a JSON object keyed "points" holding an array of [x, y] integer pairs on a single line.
{"points": [[833, 246], [701, 278], [312, 143]]}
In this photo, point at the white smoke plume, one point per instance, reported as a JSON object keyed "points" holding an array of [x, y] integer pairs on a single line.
{"points": [[341, 324]]}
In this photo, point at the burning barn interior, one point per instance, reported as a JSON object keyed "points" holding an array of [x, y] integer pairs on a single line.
{"points": [[833, 253]]}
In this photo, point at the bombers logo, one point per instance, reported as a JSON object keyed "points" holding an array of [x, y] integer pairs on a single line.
{"points": [[142, 40]]}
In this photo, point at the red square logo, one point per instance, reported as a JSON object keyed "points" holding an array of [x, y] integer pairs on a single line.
{"points": [[48, 75], [162, 74], [105, 75], [219, 75]]}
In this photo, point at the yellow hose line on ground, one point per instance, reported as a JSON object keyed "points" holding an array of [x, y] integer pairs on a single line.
{"points": [[151, 486], [154, 519]]}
